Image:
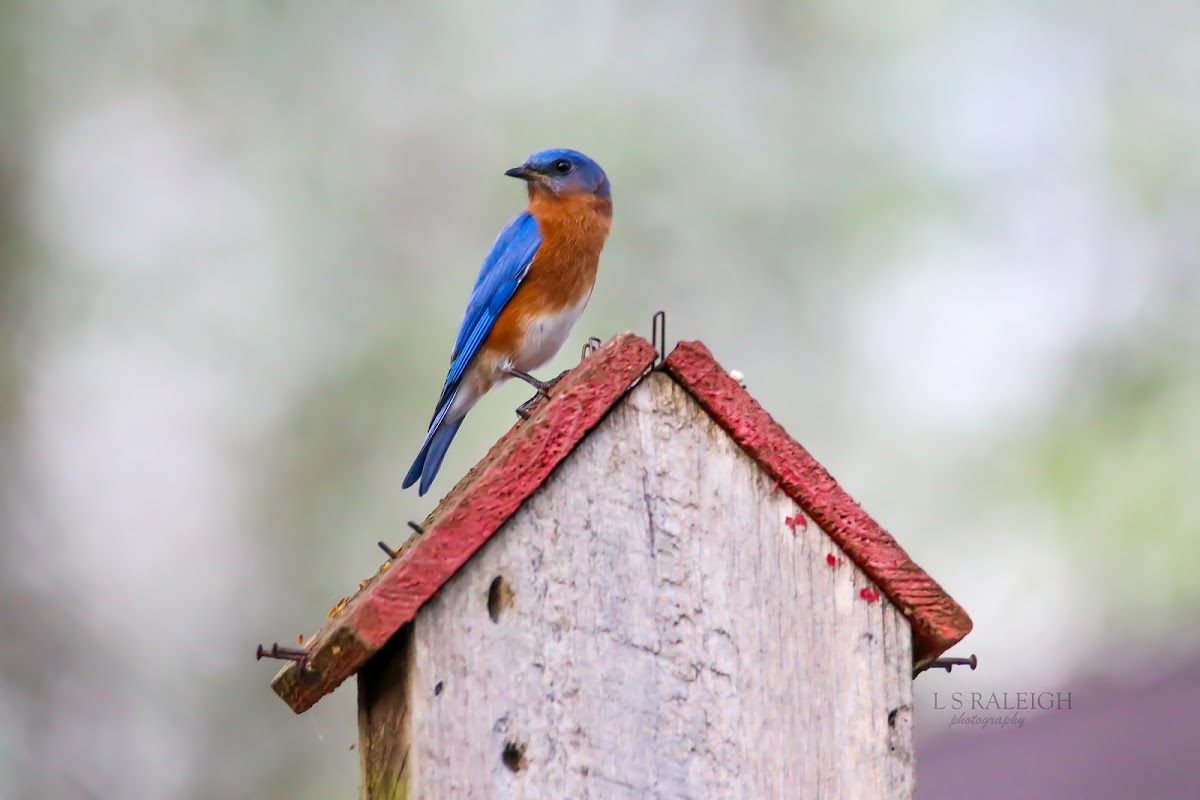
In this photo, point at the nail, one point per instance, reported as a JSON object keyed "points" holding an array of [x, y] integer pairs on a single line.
{"points": [[949, 664], [283, 653]]}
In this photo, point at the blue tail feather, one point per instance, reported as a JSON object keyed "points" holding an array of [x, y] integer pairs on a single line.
{"points": [[414, 471], [433, 450], [439, 443]]}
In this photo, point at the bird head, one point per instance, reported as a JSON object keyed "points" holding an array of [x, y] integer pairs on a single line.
{"points": [[562, 172]]}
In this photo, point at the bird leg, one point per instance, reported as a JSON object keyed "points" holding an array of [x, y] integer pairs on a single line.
{"points": [[543, 390]]}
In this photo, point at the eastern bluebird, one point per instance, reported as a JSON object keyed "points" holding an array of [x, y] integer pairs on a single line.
{"points": [[531, 289]]}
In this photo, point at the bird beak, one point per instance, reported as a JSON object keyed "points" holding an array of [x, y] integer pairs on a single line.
{"points": [[524, 172]]}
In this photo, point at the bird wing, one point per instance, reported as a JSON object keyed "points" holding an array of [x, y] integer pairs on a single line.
{"points": [[502, 271]]}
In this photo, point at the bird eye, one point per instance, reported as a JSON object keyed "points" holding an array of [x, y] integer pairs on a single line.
{"points": [[562, 166]]}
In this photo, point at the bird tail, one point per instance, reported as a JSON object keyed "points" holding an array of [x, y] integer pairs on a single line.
{"points": [[433, 450]]}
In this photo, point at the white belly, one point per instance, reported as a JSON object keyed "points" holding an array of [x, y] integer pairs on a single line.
{"points": [[545, 336]]}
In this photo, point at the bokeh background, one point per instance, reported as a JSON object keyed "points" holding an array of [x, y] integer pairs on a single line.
{"points": [[954, 247]]}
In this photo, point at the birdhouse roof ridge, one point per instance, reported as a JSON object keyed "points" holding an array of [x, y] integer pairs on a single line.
{"points": [[521, 461]]}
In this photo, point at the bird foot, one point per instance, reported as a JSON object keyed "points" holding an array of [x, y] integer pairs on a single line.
{"points": [[546, 387], [526, 409], [543, 390]]}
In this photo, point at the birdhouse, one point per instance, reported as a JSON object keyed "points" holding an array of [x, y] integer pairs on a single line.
{"points": [[646, 589]]}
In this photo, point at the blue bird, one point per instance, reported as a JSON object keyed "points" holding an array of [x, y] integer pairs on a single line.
{"points": [[531, 290]]}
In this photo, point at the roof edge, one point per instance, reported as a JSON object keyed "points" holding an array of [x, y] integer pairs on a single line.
{"points": [[515, 467], [938, 622]]}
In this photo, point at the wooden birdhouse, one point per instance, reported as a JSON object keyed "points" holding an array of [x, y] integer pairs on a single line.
{"points": [[648, 589]]}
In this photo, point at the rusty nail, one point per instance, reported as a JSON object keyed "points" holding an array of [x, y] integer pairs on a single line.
{"points": [[416, 527], [283, 653], [949, 664], [390, 552]]}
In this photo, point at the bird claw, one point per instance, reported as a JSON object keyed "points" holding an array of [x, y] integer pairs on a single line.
{"points": [[525, 410], [543, 390]]}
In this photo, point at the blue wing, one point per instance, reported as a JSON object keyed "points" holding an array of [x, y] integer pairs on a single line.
{"points": [[501, 273]]}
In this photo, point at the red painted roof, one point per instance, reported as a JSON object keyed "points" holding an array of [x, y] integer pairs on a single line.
{"points": [[937, 621], [518, 464]]}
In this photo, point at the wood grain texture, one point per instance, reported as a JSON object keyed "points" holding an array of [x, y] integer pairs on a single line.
{"points": [[668, 635], [383, 719], [938, 621]]}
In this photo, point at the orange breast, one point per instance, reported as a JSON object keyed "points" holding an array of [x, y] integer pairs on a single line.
{"points": [[562, 273]]}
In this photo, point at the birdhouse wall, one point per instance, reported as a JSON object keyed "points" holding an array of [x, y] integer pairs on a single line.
{"points": [[654, 622]]}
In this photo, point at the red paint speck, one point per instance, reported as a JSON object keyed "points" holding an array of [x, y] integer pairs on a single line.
{"points": [[775, 488], [937, 621], [831, 559], [868, 594], [798, 520]]}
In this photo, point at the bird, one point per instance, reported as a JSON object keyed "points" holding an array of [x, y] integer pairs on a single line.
{"points": [[532, 288]]}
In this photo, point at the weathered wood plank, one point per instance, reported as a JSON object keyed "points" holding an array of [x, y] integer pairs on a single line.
{"points": [[384, 719], [661, 632], [937, 621], [486, 497]]}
